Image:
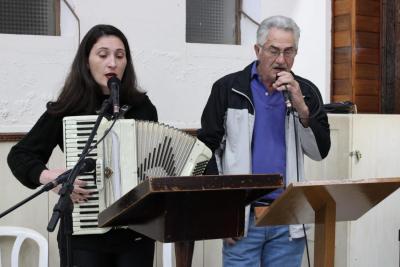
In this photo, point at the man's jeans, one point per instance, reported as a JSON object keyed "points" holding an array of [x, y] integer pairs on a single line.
{"points": [[264, 246]]}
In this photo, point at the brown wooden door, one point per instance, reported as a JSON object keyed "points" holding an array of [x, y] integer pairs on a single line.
{"points": [[356, 53], [366, 54]]}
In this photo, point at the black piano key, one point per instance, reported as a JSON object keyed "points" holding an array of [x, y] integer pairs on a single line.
{"points": [[89, 212], [87, 220], [88, 226], [89, 187], [89, 207], [84, 128]]}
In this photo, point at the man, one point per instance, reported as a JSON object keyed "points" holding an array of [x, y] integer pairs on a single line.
{"points": [[263, 119]]}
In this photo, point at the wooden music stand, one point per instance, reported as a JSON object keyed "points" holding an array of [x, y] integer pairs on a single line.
{"points": [[188, 208], [324, 203]]}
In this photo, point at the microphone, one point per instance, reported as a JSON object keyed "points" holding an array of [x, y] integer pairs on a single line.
{"points": [[114, 84], [87, 165], [286, 96]]}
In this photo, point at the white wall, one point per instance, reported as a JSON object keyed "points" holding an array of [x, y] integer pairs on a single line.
{"points": [[313, 60], [177, 75]]}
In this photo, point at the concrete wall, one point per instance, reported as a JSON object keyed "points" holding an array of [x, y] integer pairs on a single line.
{"points": [[177, 75]]}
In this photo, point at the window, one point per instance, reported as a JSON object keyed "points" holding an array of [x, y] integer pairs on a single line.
{"points": [[38, 17], [212, 21]]}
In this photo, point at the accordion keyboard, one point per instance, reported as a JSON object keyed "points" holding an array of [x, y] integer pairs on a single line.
{"points": [[76, 133]]}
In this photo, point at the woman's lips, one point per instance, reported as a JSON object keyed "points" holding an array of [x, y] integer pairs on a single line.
{"points": [[109, 75]]}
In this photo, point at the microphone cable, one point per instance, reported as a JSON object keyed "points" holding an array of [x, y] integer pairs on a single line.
{"points": [[315, 94], [106, 132], [291, 111], [311, 115]]}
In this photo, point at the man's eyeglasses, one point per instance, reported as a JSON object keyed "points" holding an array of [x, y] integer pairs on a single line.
{"points": [[274, 52]]}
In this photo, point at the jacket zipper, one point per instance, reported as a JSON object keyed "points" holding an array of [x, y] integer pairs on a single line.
{"points": [[248, 98]]}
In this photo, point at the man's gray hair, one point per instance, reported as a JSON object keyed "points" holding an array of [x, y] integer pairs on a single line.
{"points": [[279, 22]]}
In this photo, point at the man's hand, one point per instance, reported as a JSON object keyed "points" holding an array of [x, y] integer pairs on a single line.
{"points": [[232, 240], [286, 81]]}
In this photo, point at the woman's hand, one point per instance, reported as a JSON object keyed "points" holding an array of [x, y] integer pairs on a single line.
{"points": [[78, 195]]}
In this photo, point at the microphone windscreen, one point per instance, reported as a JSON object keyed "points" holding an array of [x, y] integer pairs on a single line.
{"points": [[113, 80]]}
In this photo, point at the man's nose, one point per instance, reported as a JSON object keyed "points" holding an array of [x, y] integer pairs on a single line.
{"points": [[280, 58]]}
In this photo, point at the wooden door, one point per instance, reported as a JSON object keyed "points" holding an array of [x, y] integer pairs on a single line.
{"points": [[366, 54], [356, 53]]}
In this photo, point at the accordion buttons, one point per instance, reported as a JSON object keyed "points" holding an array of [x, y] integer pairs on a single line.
{"points": [[107, 172]]}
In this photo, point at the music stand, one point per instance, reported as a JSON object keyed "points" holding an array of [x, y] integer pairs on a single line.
{"points": [[187, 208], [324, 203]]}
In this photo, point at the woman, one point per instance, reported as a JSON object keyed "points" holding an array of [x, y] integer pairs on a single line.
{"points": [[104, 52]]}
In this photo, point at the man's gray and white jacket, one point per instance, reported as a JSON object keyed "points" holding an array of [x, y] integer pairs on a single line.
{"points": [[227, 128]]}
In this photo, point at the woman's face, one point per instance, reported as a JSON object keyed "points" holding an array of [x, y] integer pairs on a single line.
{"points": [[106, 59]]}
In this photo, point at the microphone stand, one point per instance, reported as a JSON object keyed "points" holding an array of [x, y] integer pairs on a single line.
{"points": [[44, 188], [64, 206]]}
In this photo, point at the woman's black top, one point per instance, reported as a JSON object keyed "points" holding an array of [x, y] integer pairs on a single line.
{"points": [[28, 158]]}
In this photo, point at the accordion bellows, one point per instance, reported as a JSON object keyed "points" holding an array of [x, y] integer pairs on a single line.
{"points": [[131, 151]]}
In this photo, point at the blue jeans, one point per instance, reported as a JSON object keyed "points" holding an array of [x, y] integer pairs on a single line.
{"points": [[264, 246]]}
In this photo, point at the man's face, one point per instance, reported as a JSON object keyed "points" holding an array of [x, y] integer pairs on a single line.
{"points": [[276, 55]]}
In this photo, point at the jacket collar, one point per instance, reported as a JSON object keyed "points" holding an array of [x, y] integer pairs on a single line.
{"points": [[242, 82]]}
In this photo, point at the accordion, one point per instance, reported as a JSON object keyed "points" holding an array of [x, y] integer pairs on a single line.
{"points": [[131, 151]]}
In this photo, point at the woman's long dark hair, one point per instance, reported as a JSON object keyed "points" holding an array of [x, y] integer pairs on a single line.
{"points": [[81, 94]]}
